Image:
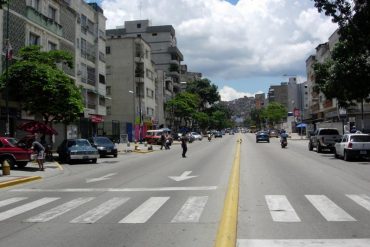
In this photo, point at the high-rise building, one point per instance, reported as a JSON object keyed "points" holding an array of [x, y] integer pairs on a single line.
{"points": [[73, 26]]}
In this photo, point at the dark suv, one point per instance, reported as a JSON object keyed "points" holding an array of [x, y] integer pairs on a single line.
{"points": [[104, 146], [14, 152]]}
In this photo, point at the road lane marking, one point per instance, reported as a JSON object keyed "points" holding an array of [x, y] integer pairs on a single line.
{"points": [[143, 213], [9, 201], [119, 189], [57, 211], [191, 210], [100, 211], [365, 242], [362, 200], [328, 209], [26, 207], [280, 209]]}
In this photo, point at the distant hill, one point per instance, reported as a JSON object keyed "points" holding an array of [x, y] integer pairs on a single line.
{"points": [[241, 107]]}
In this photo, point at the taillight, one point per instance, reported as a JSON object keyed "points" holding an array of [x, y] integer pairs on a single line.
{"points": [[350, 145]]}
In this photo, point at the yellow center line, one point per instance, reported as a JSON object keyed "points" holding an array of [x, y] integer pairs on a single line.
{"points": [[226, 234]]}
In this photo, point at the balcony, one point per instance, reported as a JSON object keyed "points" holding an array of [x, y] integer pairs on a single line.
{"points": [[44, 21], [102, 110]]}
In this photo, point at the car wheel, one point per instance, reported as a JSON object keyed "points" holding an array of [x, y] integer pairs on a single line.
{"points": [[346, 157], [310, 147], [336, 154], [318, 149], [67, 159], [115, 156], [268, 141], [94, 161]]}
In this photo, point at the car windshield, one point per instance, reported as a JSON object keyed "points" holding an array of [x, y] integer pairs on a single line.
{"points": [[102, 140], [360, 138], [79, 143]]}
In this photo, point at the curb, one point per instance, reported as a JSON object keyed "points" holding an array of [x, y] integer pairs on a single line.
{"points": [[143, 151], [18, 181]]}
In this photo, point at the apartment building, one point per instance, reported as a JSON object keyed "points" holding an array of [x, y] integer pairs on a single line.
{"points": [[131, 84], [73, 26], [165, 54], [279, 93], [260, 99]]}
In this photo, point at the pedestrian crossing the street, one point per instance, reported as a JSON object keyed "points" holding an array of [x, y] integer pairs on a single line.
{"points": [[279, 207]]}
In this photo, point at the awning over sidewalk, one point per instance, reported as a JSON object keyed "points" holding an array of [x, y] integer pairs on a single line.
{"points": [[301, 125]]}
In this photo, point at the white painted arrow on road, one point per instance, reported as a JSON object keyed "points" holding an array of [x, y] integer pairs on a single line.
{"points": [[182, 177], [105, 177]]}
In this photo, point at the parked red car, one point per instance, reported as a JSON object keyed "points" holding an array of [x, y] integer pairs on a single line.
{"points": [[14, 152]]}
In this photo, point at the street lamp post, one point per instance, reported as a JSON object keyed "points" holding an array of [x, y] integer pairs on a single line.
{"points": [[140, 114]]}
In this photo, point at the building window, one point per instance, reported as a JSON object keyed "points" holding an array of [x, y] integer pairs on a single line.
{"points": [[101, 79], [139, 35], [52, 13], [107, 50], [154, 34], [138, 25], [52, 46], [149, 93], [91, 75], [149, 111], [83, 73], [34, 39], [108, 89], [35, 4], [109, 110]]}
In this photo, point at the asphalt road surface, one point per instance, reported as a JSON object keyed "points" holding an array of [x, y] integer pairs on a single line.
{"points": [[288, 197]]}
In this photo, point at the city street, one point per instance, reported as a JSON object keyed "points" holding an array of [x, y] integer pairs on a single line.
{"points": [[288, 197]]}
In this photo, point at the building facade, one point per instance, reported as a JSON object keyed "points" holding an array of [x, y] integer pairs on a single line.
{"points": [[165, 54], [73, 26], [131, 85]]}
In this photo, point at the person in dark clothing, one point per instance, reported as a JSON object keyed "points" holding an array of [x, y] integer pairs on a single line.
{"points": [[184, 140], [163, 141]]}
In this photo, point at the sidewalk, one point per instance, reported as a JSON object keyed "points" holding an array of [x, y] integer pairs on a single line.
{"points": [[29, 173], [296, 136]]}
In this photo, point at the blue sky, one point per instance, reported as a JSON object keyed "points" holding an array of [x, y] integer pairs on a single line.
{"points": [[242, 46]]}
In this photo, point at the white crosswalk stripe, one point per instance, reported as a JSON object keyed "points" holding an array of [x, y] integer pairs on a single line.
{"points": [[26, 207], [280, 209], [362, 200], [303, 242], [328, 209], [9, 201], [143, 213], [191, 210], [100, 211], [57, 211]]}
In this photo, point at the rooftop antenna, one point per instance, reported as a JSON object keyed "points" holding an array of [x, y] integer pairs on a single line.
{"points": [[140, 6]]}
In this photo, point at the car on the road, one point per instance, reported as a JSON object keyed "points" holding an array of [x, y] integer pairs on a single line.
{"points": [[14, 152], [77, 149], [274, 133], [217, 134], [353, 146], [324, 138], [262, 136], [197, 136], [104, 146]]}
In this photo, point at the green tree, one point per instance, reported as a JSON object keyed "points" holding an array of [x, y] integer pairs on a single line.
{"points": [[202, 119], [274, 113], [346, 74], [207, 92], [183, 105], [37, 83]]}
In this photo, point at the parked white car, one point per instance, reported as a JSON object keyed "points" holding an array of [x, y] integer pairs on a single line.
{"points": [[197, 136], [353, 146]]}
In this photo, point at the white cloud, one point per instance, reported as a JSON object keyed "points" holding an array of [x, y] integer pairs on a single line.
{"points": [[228, 93], [221, 40]]}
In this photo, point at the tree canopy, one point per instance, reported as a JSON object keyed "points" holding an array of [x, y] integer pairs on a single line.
{"points": [[36, 81], [346, 74], [207, 92]]}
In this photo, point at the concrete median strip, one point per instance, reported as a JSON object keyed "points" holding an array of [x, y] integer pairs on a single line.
{"points": [[20, 180]]}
